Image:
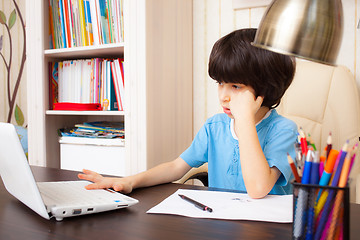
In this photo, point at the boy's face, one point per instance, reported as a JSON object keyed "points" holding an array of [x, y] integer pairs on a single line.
{"points": [[228, 92]]}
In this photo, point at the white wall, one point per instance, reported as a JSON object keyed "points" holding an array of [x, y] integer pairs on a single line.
{"points": [[216, 18]]}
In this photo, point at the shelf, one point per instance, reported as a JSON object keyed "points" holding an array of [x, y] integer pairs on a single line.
{"points": [[157, 49], [85, 113], [119, 142], [104, 50]]}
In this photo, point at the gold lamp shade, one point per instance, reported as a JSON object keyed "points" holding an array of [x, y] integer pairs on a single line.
{"points": [[310, 29]]}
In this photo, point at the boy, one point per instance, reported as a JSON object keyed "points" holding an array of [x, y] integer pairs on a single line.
{"points": [[246, 148]]}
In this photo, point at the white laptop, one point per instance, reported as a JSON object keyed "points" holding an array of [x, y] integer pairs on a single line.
{"points": [[50, 199]]}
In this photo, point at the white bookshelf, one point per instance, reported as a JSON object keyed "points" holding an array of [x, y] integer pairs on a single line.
{"points": [[158, 83], [86, 113], [106, 50]]}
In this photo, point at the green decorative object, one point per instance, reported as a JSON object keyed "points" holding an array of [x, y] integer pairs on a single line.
{"points": [[19, 116]]}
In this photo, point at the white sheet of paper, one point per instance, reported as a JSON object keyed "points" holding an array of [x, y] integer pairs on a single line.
{"points": [[228, 205]]}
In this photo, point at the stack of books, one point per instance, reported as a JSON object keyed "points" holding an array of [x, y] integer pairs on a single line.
{"points": [[102, 130], [76, 23], [96, 80]]}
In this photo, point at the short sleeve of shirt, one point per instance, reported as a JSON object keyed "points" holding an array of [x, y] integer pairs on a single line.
{"points": [[276, 148], [197, 154]]}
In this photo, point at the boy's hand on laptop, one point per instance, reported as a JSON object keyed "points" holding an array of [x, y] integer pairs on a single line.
{"points": [[100, 182]]}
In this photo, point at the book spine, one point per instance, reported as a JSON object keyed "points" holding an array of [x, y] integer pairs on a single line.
{"points": [[102, 84], [109, 12], [121, 61], [60, 82], [117, 20], [71, 23], [71, 81], [89, 23], [88, 79], [92, 85], [82, 23], [104, 22], [94, 22], [120, 83], [55, 83], [98, 17], [108, 85], [115, 79], [51, 93], [67, 23], [80, 72], [63, 32], [66, 81], [109, 20], [96, 82], [57, 24], [121, 20], [76, 24], [51, 26]]}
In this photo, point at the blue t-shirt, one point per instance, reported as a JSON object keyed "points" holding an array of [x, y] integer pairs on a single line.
{"points": [[215, 144]]}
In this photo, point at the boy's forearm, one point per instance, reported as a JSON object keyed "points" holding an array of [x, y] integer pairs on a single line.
{"points": [[259, 178], [163, 173]]}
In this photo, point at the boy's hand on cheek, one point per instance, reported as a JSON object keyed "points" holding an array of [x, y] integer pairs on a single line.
{"points": [[243, 104]]}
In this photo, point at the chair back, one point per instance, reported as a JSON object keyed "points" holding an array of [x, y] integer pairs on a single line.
{"points": [[323, 99]]}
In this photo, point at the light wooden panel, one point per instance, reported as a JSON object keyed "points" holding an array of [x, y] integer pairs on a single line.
{"points": [[36, 88], [241, 4], [199, 63], [169, 79], [346, 55], [213, 33], [357, 44]]}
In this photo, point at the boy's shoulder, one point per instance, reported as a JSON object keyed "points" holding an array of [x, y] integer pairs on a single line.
{"points": [[282, 122], [218, 118]]}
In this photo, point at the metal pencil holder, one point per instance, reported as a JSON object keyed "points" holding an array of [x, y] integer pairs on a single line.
{"points": [[320, 212]]}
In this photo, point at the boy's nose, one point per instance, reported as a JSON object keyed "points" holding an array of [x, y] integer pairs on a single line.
{"points": [[224, 96]]}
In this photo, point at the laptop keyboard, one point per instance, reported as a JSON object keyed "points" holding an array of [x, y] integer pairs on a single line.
{"points": [[74, 193]]}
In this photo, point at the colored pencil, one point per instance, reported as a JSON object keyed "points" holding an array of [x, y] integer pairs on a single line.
{"points": [[303, 142], [293, 169], [328, 144], [338, 199]]}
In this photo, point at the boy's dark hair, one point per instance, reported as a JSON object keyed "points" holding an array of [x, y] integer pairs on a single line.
{"points": [[234, 60]]}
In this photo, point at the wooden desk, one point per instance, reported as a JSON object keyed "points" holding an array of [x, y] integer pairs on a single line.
{"points": [[19, 222]]}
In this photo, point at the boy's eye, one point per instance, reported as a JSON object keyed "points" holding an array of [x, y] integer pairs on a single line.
{"points": [[220, 83], [236, 86]]}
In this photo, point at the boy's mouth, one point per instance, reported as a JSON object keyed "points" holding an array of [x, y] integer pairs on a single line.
{"points": [[226, 110]]}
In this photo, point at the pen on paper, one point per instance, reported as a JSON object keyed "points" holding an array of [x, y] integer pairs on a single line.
{"points": [[196, 204]]}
